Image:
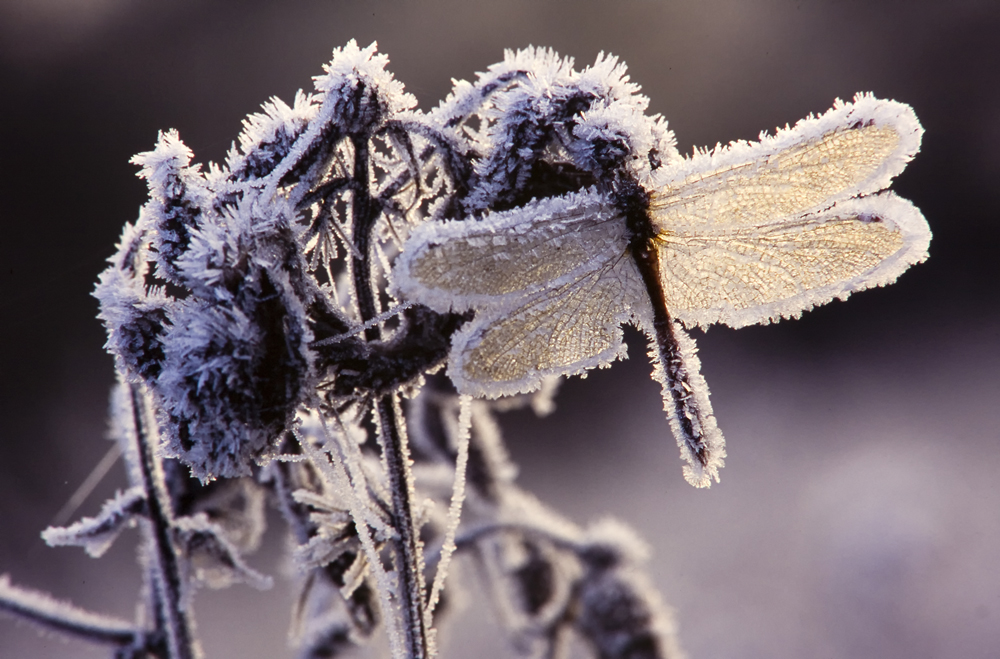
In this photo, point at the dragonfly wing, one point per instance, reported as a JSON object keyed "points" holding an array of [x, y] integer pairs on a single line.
{"points": [[853, 150], [751, 233], [572, 328], [563, 330], [498, 260], [757, 274]]}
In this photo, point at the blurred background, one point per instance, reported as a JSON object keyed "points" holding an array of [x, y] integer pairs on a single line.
{"points": [[859, 512]]}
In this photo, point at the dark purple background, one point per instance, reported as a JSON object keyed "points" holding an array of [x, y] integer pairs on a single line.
{"points": [[858, 514]]}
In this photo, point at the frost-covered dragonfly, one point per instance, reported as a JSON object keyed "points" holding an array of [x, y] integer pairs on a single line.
{"points": [[746, 233]]}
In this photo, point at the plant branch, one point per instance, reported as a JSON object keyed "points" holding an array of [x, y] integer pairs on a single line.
{"points": [[409, 559], [65, 618], [391, 429], [164, 560]]}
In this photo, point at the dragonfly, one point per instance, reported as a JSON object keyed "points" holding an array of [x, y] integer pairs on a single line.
{"points": [[746, 233]]}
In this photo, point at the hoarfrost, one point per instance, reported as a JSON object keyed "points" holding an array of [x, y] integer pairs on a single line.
{"points": [[50, 614], [455, 507], [97, 534], [294, 323]]}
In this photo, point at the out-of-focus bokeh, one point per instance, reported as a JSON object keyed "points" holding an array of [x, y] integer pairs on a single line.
{"points": [[859, 513]]}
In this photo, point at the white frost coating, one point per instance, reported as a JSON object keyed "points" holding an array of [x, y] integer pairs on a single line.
{"points": [[350, 490], [564, 330], [97, 534], [51, 614], [264, 127], [865, 110], [696, 473], [502, 258], [377, 320], [543, 402], [169, 157], [348, 66], [534, 87], [352, 482], [455, 507]]}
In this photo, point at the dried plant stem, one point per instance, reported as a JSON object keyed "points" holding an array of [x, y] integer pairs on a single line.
{"points": [[64, 618], [457, 498], [408, 555], [392, 428], [163, 559]]}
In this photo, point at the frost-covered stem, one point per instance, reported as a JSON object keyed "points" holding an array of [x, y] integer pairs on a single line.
{"points": [[65, 618], [457, 498], [164, 561], [411, 590], [292, 511], [365, 212]]}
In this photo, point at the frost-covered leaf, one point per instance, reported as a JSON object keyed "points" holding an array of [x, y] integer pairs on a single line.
{"points": [[134, 315], [268, 137], [178, 198]]}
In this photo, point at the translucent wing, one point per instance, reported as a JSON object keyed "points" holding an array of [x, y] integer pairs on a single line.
{"points": [[559, 331], [571, 328], [500, 259], [852, 150], [747, 275], [753, 233]]}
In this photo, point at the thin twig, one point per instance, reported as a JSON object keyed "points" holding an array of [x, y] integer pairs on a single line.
{"points": [[92, 481], [397, 460], [164, 559], [65, 618], [455, 507]]}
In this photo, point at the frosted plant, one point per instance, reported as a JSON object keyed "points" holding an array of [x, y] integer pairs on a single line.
{"points": [[280, 322]]}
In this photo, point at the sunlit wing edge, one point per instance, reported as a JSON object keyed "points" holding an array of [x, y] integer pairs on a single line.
{"points": [[864, 110]]}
